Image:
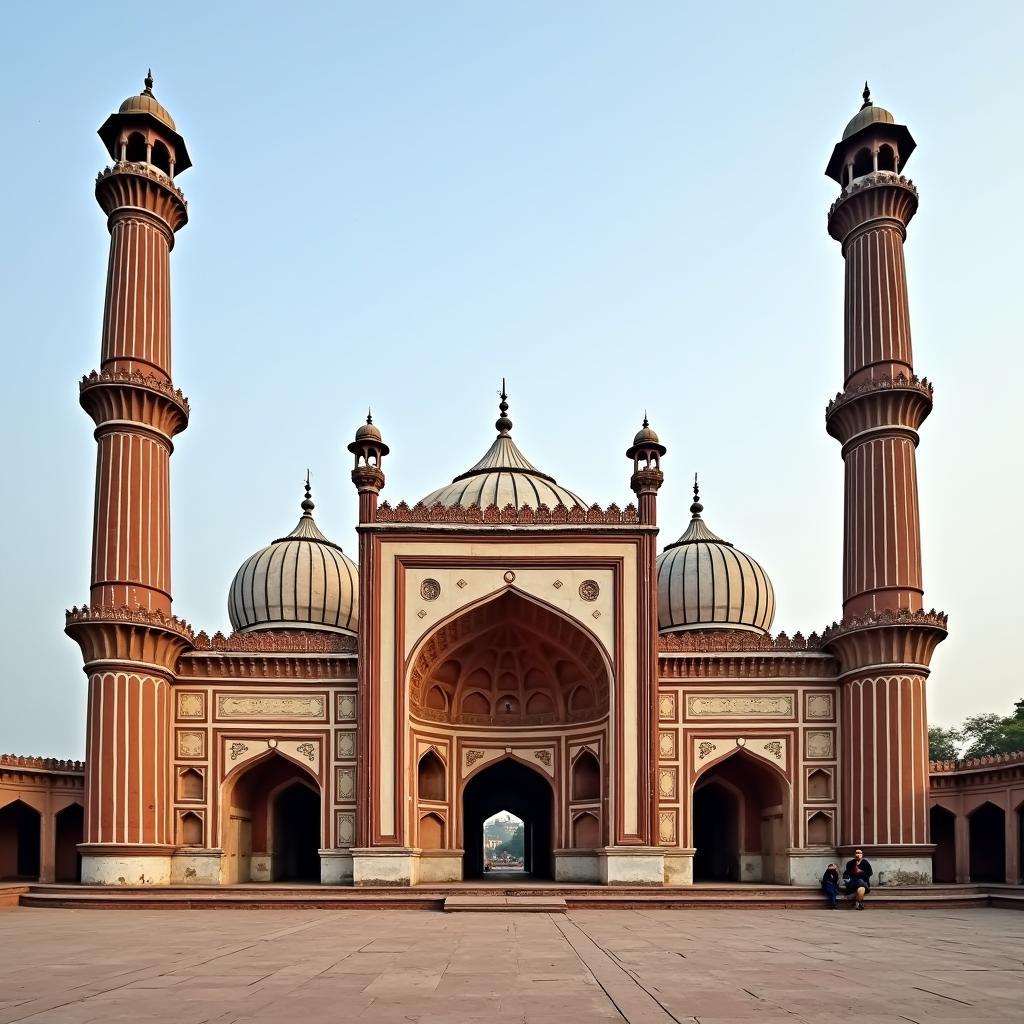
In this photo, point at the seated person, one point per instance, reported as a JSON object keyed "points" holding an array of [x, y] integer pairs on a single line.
{"points": [[830, 884], [857, 877]]}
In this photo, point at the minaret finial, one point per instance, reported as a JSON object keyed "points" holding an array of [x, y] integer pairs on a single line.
{"points": [[148, 82], [867, 96], [307, 502], [369, 416], [503, 424], [646, 424], [696, 508]]}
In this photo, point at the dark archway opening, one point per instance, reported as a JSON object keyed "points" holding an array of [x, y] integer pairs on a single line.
{"points": [[136, 149], [716, 818], [741, 822], [988, 844], [508, 786], [296, 819], [943, 832], [271, 823], [68, 831], [19, 841]]}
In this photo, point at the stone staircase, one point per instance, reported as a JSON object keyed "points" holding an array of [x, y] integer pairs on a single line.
{"points": [[483, 897]]}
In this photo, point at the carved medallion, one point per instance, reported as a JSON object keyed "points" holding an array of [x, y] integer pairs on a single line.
{"points": [[191, 705], [345, 744], [589, 590], [818, 744], [819, 705], [430, 590], [344, 828]]}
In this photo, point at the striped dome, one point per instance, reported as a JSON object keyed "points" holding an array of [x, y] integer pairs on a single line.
{"points": [[706, 583], [504, 476], [302, 581]]}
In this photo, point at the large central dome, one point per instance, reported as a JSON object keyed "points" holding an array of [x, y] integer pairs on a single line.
{"points": [[504, 476]]}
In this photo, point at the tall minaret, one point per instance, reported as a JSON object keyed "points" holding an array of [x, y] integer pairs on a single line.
{"points": [[885, 641], [129, 639]]}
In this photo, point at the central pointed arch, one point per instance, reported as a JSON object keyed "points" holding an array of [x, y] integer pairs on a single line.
{"points": [[509, 661], [741, 820]]}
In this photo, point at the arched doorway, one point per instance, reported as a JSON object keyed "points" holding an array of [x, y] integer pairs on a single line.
{"points": [[19, 841], [942, 824], [68, 826], [271, 823], [508, 785], [987, 844], [741, 827]]}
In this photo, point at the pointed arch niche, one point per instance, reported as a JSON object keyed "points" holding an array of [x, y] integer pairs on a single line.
{"points": [[509, 662], [741, 821]]}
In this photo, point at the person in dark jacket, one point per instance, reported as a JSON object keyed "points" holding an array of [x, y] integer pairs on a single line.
{"points": [[857, 878], [830, 884]]}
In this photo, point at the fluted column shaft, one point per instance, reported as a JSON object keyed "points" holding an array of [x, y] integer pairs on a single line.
{"points": [[131, 399], [127, 759], [876, 423]]}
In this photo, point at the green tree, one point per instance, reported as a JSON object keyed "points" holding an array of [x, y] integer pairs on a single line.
{"points": [[513, 846], [943, 744], [993, 734]]}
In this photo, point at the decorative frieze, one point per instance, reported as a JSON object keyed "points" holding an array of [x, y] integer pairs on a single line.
{"points": [[819, 743], [344, 784], [819, 707], [344, 829], [256, 707], [344, 744], [740, 706], [667, 827], [667, 707], [191, 706], [190, 743]]}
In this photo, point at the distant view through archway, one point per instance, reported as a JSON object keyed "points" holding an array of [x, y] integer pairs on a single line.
{"points": [[504, 843]]}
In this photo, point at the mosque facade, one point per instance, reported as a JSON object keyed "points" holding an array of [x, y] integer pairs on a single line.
{"points": [[502, 644]]}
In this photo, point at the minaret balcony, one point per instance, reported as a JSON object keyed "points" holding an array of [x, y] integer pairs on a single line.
{"points": [[878, 196], [126, 396], [145, 188], [883, 406]]}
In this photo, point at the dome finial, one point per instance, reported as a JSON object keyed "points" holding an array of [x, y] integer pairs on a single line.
{"points": [[646, 424], [307, 502], [696, 508], [867, 96], [369, 415], [503, 424], [148, 82]]}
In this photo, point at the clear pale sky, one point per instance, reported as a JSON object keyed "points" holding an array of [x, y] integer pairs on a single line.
{"points": [[619, 207]]}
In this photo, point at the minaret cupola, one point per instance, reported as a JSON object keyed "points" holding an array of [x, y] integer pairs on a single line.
{"points": [[871, 142], [143, 132]]}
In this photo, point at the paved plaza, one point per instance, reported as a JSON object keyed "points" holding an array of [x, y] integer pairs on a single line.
{"points": [[650, 966]]}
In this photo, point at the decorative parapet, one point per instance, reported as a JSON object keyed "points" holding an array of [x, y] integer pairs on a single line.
{"points": [[898, 383], [872, 180], [135, 379], [872, 641], [136, 616], [45, 764], [874, 620], [727, 641], [510, 515], [975, 763], [119, 395], [277, 642], [129, 634], [143, 170]]}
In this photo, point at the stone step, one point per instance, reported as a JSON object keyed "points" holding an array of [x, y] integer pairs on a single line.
{"points": [[505, 904]]}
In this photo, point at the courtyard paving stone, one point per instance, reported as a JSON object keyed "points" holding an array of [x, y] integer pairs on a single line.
{"points": [[641, 966]]}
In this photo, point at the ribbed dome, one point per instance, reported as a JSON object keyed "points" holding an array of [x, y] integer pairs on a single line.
{"points": [[706, 583], [146, 103], [302, 581], [504, 476], [869, 113]]}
